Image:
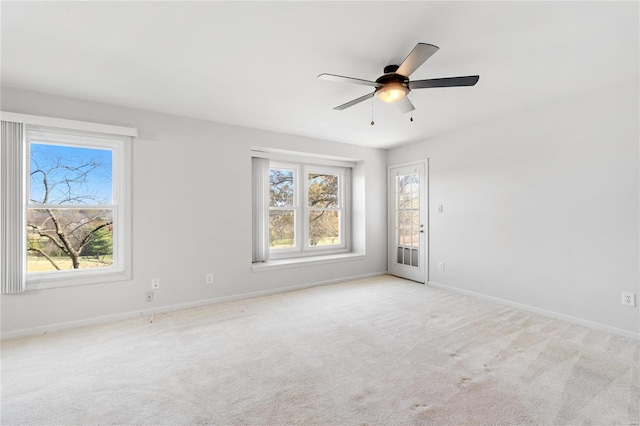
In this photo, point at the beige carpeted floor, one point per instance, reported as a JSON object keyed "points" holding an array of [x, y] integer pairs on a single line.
{"points": [[382, 351]]}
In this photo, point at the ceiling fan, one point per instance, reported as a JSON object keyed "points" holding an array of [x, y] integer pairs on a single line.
{"points": [[394, 85]]}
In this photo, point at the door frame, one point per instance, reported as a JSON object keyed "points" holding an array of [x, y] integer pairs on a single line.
{"points": [[424, 217]]}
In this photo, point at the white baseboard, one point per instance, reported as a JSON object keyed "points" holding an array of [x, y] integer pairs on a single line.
{"points": [[170, 308], [556, 315]]}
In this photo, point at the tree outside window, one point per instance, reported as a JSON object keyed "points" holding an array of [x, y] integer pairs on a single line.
{"points": [[306, 208], [70, 215]]}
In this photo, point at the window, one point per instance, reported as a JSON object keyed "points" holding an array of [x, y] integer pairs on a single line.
{"points": [[305, 210], [65, 216], [76, 208]]}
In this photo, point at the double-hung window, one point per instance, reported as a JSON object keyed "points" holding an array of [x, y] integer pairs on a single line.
{"points": [[75, 216], [306, 210], [74, 212]]}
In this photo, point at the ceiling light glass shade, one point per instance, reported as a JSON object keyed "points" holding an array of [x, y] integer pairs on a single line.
{"points": [[392, 92]]}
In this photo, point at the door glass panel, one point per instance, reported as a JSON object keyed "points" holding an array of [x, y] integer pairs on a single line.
{"points": [[408, 219], [407, 237], [414, 202], [415, 229], [399, 226], [400, 184]]}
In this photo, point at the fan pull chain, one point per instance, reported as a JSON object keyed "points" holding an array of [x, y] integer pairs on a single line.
{"points": [[372, 122], [411, 119]]}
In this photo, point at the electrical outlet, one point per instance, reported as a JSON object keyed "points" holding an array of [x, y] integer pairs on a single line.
{"points": [[441, 266], [628, 299], [155, 283], [209, 278], [440, 208], [149, 296]]}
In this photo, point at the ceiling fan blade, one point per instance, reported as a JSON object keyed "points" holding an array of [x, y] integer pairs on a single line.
{"points": [[444, 82], [342, 79], [355, 101], [405, 105], [417, 57]]}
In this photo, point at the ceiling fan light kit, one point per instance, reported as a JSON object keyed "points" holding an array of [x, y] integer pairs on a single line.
{"points": [[394, 85], [392, 92]]}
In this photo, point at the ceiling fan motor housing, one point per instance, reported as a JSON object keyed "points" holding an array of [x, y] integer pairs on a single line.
{"points": [[390, 76], [391, 69]]}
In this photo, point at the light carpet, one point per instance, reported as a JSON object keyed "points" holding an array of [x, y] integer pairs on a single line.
{"points": [[381, 351]]}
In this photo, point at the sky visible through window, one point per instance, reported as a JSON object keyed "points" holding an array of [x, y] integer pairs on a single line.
{"points": [[74, 175]]}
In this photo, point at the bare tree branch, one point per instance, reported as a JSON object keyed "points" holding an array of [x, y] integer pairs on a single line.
{"points": [[68, 181], [45, 255]]}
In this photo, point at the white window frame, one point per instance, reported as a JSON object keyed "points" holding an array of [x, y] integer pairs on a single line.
{"points": [[301, 210], [342, 174], [266, 158], [298, 212], [120, 146]]}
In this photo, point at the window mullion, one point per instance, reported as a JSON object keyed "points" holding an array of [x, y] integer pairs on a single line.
{"points": [[304, 216]]}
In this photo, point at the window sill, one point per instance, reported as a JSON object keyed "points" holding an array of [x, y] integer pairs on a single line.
{"points": [[45, 282], [305, 261]]}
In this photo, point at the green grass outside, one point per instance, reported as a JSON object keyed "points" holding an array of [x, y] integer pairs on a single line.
{"points": [[284, 242], [41, 264]]}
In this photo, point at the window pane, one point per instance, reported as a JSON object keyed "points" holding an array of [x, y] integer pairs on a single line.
{"points": [[281, 229], [402, 202], [415, 229], [324, 227], [281, 188], [407, 256], [323, 190], [402, 224], [70, 175], [71, 238], [399, 184], [406, 236], [411, 183], [415, 201]]}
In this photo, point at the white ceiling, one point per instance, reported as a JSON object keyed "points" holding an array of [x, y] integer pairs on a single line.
{"points": [[255, 64]]}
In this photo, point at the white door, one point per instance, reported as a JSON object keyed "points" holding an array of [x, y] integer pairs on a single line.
{"points": [[408, 221]]}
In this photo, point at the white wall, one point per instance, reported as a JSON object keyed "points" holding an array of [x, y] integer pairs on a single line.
{"points": [[191, 215], [541, 207]]}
